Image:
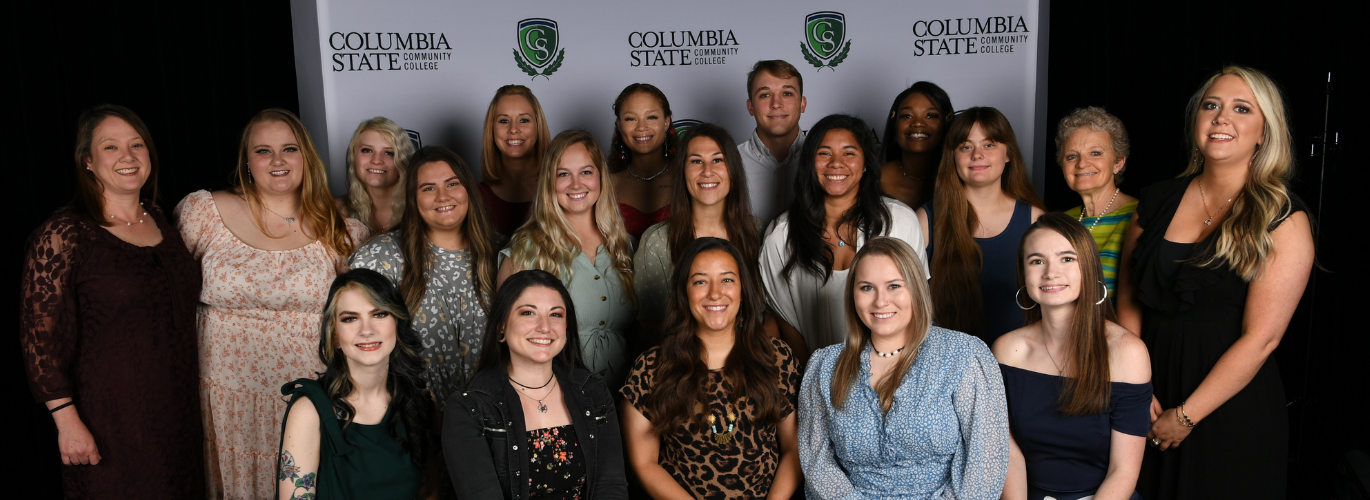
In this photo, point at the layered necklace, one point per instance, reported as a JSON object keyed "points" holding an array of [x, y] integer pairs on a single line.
{"points": [[542, 407], [1100, 216]]}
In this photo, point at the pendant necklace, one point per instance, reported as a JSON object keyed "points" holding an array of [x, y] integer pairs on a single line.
{"points": [[1052, 358], [722, 438], [542, 407], [1099, 217], [1202, 197], [287, 219]]}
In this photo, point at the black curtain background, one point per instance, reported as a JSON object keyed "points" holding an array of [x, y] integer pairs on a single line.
{"points": [[197, 71]]}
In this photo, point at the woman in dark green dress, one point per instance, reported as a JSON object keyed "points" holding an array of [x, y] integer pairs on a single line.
{"points": [[367, 431]]}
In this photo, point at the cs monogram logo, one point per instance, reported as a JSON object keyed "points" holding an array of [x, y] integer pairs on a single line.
{"points": [[824, 33], [537, 46]]}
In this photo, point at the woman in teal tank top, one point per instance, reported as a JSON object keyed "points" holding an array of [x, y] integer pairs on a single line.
{"points": [[366, 429]]}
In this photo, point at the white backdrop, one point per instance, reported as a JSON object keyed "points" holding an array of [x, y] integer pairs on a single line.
{"points": [[433, 66]]}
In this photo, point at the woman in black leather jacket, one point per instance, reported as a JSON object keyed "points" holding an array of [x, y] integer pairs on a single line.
{"points": [[533, 423]]}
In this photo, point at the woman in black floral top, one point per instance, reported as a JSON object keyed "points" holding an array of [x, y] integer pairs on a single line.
{"points": [[533, 423], [711, 411]]}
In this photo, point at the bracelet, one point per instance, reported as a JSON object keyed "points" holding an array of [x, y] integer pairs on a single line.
{"points": [[1182, 416], [63, 405]]}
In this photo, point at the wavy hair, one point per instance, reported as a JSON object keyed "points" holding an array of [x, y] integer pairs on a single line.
{"points": [[357, 199], [846, 373], [409, 396], [1087, 391], [492, 161], [316, 204], [412, 232], [495, 354], [619, 155], [89, 202], [808, 213], [1244, 241], [957, 303], [546, 240], [737, 214], [681, 374]]}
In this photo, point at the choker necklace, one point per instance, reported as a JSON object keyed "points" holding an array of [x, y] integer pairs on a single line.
{"points": [[1209, 220], [1099, 217], [549, 380], [542, 407], [886, 354], [645, 179]]}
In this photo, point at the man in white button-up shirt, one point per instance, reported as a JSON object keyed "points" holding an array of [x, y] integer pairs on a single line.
{"points": [[775, 96]]}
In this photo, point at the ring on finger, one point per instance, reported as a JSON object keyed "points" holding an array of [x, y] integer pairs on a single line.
{"points": [[1155, 442]]}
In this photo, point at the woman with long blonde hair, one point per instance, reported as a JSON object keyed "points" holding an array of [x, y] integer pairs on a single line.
{"points": [[576, 233], [901, 408], [377, 159], [1215, 263], [268, 249]]}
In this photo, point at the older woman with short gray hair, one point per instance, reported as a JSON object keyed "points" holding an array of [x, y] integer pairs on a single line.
{"points": [[1092, 149]]}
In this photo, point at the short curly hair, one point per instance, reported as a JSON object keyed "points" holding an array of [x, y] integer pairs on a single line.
{"points": [[1098, 120]]}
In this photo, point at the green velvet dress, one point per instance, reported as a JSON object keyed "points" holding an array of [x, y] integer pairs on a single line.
{"points": [[366, 463]]}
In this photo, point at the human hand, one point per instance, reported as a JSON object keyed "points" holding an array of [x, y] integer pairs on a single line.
{"points": [[1155, 408], [1167, 431], [75, 442]]}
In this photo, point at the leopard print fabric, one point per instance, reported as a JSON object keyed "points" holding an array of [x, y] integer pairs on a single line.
{"points": [[740, 469]]}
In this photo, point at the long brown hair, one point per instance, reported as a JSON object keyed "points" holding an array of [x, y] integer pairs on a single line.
{"points": [[1087, 392], [546, 240], [957, 303], [316, 204], [678, 386], [412, 233], [492, 163], [1243, 242], [848, 366], [89, 202], [737, 214]]}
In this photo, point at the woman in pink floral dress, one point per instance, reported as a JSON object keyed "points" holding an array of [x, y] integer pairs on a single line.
{"points": [[268, 249]]}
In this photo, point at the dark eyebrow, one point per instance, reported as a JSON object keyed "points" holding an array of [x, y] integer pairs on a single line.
{"points": [[422, 184]]}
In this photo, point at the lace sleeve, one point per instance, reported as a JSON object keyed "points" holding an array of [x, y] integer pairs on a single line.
{"points": [[47, 321]]}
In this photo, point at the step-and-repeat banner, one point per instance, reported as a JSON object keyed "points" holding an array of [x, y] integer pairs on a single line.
{"points": [[434, 66]]}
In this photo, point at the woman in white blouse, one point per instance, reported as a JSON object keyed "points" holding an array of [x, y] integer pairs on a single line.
{"points": [[808, 250]]}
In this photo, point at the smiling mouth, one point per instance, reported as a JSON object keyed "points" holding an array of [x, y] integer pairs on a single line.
{"points": [[514, 143], [370, 346], [445, 209], [279, 173], [540, 342], [1051, 288], [1220, 137], [577, 196], [887, 315], [1086, 174], [918, 135], [716, 309], [708, 185], [642, 139], [376, 171], [836, 178], [127, 171]]}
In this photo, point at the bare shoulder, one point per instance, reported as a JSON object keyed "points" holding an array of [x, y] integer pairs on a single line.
{"points": [[1011, 348], [1037, 212], [303, 415], [1128, 358]]}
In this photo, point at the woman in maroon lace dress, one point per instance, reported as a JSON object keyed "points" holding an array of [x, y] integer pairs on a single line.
{"points": [[108, 324]]}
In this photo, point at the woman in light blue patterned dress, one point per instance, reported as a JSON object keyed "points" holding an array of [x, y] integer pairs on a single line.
{"points": [[576, 233], [447, 229], [902, 409]]}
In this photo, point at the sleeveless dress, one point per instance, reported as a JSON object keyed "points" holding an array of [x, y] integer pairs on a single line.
{"points": [[506, 215], [258, 325], [999, 273], [636, 221], [366, 463], [1067, 457], [112, 326], [1190, 317]]}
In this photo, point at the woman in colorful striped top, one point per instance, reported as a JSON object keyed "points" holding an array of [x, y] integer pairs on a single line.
{"points": [[1092, 149]]}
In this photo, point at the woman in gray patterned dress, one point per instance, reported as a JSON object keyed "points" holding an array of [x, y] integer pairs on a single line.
{"points": [[447, 228]]}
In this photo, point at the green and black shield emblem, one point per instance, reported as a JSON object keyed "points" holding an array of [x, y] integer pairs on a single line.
{"points": [[825, 39], [537, 53]]}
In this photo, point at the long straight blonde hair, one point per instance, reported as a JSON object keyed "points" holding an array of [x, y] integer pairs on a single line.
{"points": [[858, 334], [316, 204], [546, 240], [1244, 241]]}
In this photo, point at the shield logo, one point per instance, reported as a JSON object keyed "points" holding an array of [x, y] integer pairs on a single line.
{"points": [[538, 40], [824, 32], [680, 127]]}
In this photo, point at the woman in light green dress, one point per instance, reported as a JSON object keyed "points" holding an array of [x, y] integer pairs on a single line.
{"points": [[576, 233]]}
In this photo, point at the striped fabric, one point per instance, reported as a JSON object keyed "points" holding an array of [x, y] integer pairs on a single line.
{"points": [[1108, 235]]}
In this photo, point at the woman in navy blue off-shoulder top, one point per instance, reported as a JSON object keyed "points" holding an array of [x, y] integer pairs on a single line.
{"points": [[1078, 385]]}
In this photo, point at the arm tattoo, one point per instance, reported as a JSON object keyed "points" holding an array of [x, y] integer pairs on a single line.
{"points": [[289, 472]]}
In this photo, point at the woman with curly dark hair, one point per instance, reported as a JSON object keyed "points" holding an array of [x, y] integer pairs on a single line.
{"points": [[711, 412], [367, 432]]}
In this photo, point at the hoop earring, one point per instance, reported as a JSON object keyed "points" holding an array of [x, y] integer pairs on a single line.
{"points": [[1198, 158], [1105, 297], [1018, 302]]}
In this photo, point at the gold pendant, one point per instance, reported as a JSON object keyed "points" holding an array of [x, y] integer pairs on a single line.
{"points": [[723, 438]]}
